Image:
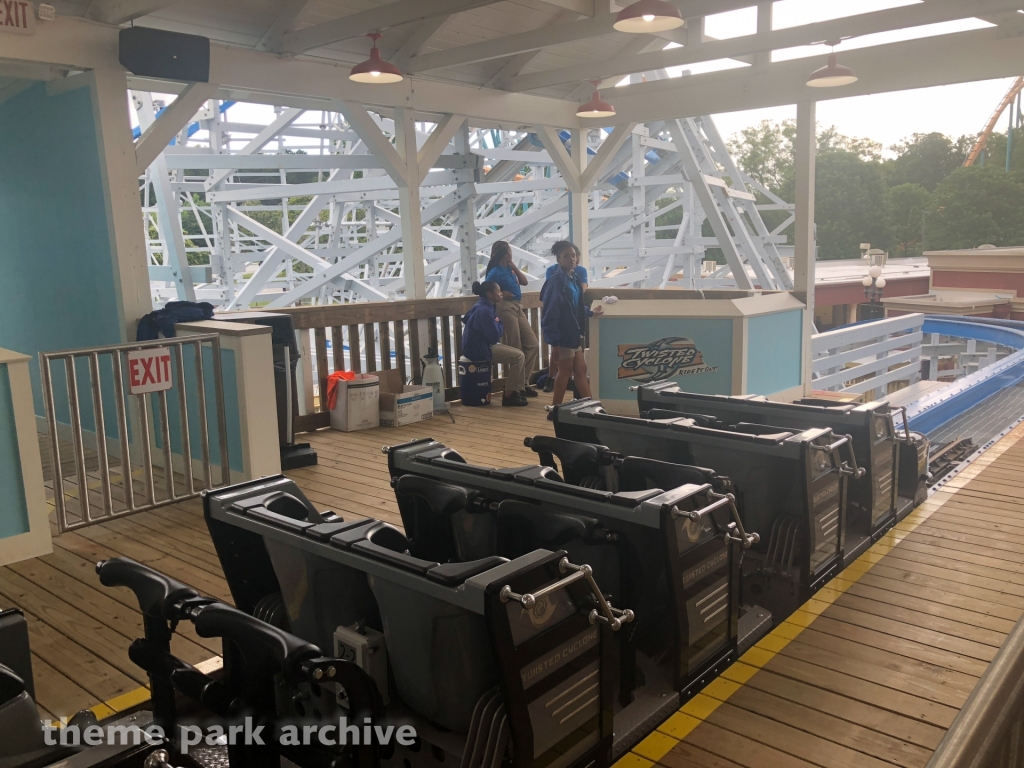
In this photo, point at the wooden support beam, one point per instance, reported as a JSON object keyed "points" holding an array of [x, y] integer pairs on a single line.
{"points": [[172, 120]]}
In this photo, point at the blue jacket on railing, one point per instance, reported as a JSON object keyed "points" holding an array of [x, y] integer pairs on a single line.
{"points": [[482, 328], [564, 314]]}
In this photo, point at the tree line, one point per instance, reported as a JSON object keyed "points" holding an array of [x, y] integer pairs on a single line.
{"points": [[920, 199]]}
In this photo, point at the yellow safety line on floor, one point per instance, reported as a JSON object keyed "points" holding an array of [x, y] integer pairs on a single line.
{"points": [[140, 695], [667, 735]]}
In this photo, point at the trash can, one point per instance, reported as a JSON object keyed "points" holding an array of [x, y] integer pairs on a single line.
{"points": [[286, 358], [474, 381]]}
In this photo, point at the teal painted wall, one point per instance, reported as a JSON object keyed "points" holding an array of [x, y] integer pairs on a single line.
{"points": [[13, 504], [712, 338], [232, 416], [59, 287], [773, 352]]}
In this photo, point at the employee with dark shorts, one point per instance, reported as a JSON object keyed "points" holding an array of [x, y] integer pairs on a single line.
{"points": [[563, 320]]}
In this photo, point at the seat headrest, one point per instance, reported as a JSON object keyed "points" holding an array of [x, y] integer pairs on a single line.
{"points": [[443, 499]]}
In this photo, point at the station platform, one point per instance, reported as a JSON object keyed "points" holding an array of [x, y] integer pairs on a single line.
{"points": [[873, 669], [869, 672]]}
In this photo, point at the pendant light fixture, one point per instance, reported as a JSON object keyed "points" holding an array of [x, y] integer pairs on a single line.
{"points": [[833, 73], [648, 16], [596, 107], [375, 69]]}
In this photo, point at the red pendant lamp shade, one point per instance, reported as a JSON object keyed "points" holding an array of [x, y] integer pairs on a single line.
{"points": [[648, 16], [375, 69], [596, 107], [832, 74]]}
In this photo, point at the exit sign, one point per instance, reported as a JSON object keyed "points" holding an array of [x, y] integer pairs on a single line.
{"points": [[149, 370], [17, 16]]}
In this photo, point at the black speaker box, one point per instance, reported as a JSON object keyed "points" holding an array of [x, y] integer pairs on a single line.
{"points": [[168, 55]]}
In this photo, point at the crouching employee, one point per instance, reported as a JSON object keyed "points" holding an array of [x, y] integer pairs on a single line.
{"points": [[481, 334]]}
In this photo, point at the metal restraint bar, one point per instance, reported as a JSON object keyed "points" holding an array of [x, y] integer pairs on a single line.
{"points": [[614, 617], [989, 730], [145, 436]]}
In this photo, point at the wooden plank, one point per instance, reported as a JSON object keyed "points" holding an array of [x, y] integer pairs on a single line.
{"points": [[686, 755], [930, 620], [966, 573], [369, 349], [896, 725], [385, 346], [399, 327], [356, 360], [911, 573], [816, 660], [338, 348], [56, 693], [414, 350], [88, 659], [942, 608], [822, 725], [320, 350], [894, 644], [737, 747], [788, 739]]}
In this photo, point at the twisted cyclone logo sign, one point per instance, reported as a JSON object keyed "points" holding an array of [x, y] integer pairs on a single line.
{"points": [[662, 359]]}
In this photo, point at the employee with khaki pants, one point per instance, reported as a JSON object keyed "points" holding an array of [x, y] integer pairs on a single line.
{"points": [[518, 331]]}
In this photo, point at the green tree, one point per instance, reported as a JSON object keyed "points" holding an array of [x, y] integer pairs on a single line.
{"points": [[907, 204], [765, 153], [926, 159], [973, 206], [850, 205]]}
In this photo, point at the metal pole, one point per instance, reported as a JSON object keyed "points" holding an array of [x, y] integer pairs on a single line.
{"points": [[122, 428], [204, 429], [186, 442], [165, 428], [1009, 140], [76, 436], [147, 449], [56, 473], [222, 418], [101, 433]]}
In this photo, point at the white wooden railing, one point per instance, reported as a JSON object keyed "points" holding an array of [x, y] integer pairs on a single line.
{"points": [[866, 358]]}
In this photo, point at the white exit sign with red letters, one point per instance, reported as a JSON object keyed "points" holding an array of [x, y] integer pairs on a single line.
{"points": [[149, 370], [17, 16]]}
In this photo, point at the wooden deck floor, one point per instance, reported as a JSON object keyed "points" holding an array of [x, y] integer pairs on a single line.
{"points": [[870, 672], [80, 630]]}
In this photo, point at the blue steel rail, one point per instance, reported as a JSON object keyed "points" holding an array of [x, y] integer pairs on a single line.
{"points": [[932, 411]]}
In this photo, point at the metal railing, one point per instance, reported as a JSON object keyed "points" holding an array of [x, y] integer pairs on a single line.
{"points": [[167, 462], [867, 357], [989, 730]]}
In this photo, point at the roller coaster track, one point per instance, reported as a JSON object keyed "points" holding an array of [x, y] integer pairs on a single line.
{"points": [[979, 145]]}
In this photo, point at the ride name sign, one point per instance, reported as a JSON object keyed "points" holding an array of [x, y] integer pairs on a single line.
{"points": [[149, 370], [17, 17]]}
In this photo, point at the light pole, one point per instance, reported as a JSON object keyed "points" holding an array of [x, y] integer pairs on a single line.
{"points": [[874, 284]]}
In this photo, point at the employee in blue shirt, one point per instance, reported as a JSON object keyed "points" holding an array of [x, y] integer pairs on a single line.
{"points": [[518, 332], [582, 278]]}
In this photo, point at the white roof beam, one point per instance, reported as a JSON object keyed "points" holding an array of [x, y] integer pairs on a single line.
{"points": [[419, 38], [548, 36], [961, 57], [287, 14], [157, 136], [372, 20], [121, 11], [264, 78], [851, 26]]}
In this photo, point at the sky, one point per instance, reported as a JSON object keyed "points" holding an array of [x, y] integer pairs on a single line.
{"points": [[954, 110]]}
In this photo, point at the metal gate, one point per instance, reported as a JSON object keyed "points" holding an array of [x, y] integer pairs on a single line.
{"points": [[120, 445]]}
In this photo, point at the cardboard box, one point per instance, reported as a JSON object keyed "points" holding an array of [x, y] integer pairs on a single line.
{"points": [[358, 404], [403, 404]]}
